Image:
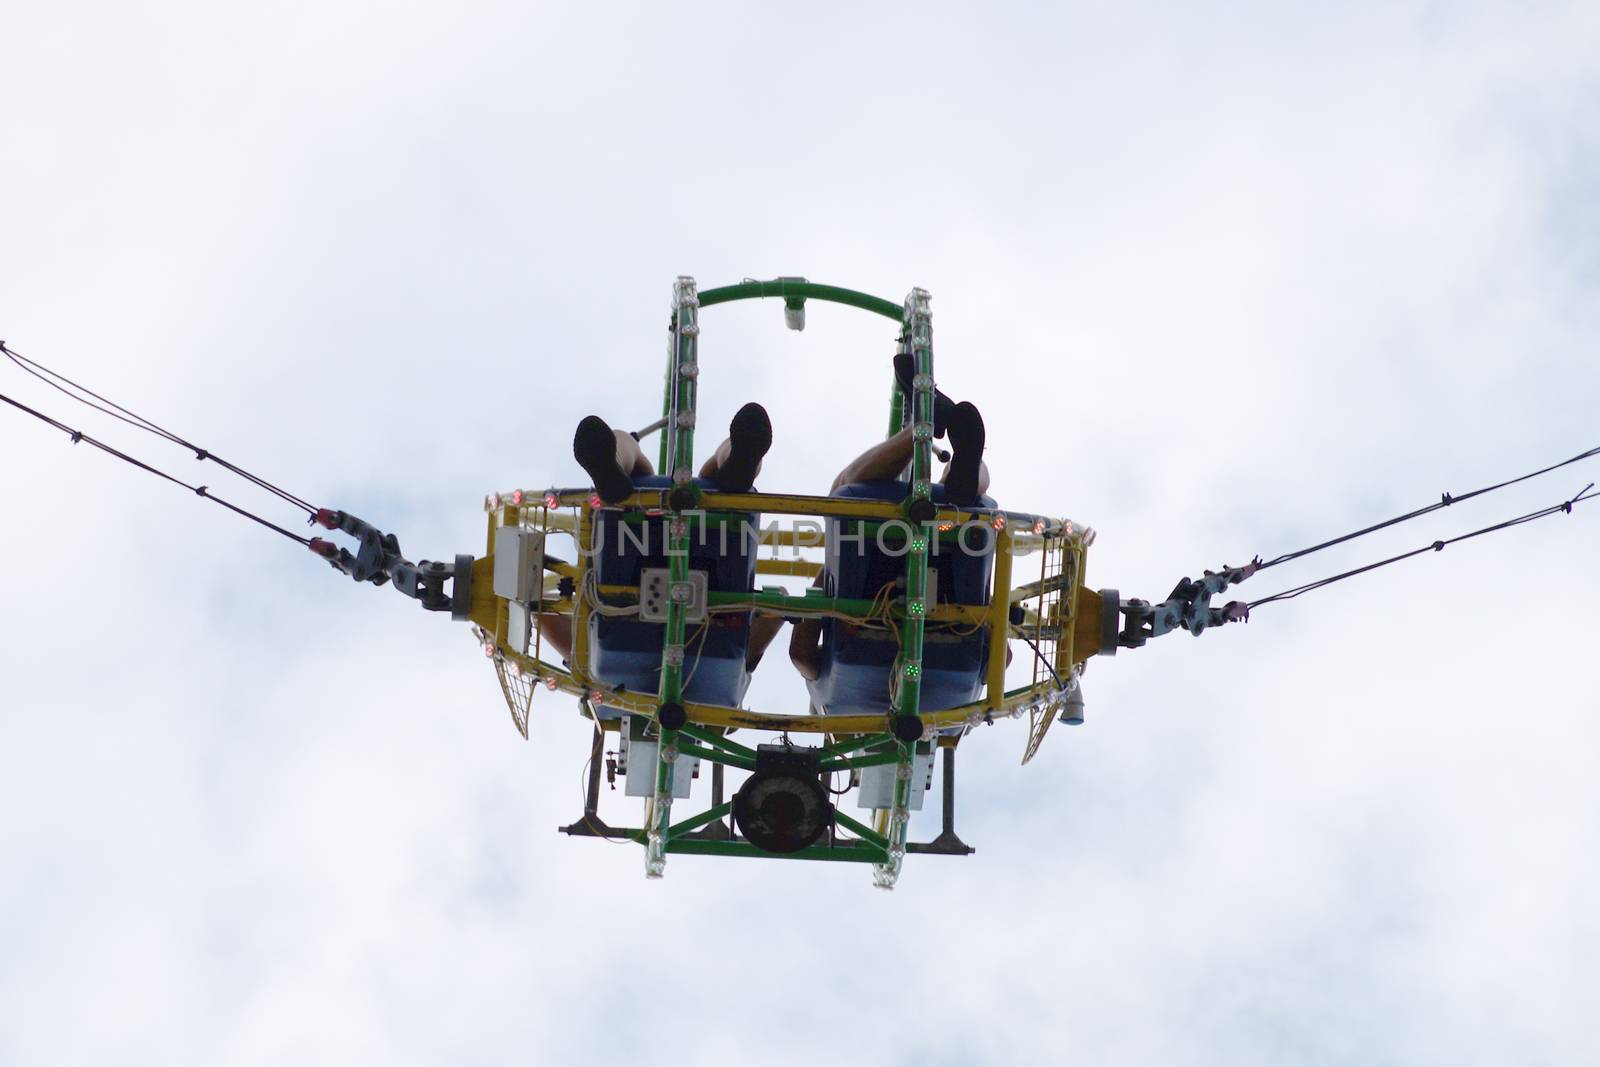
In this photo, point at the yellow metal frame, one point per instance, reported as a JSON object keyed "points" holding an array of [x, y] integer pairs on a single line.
{"points": [[1075, 617]]}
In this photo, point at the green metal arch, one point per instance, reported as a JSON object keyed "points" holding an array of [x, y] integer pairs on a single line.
{"points": [[794, 289]]}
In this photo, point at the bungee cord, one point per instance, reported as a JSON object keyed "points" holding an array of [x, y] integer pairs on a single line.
{"points": [[82, 394], [90, 398], [199, 490], [1565, 507], [1444, 501]]}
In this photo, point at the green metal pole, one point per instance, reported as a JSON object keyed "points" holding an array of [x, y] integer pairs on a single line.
{"points": [[694, 822], [918, 338], [715, 755], [852, 744], [790, 288], [665, 444], [711, 737], [866, 833], [863, 852], [857, 606], [679, 431], [900, 404], [846, 763]]}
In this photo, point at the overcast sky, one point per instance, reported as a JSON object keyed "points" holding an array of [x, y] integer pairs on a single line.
{"points": [[1221, 284]]}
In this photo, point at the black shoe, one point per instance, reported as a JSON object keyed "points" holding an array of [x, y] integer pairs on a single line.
{"points": [[905, 368], [749, 437], [966, 446], [595, 448]]}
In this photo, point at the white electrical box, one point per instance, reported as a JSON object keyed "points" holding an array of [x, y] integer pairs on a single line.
{"points": [[641, 763], [877, 783], [518, 563]]}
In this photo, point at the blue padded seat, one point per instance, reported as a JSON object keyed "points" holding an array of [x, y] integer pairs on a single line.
{"points": [[854, 665], [626, 652]]}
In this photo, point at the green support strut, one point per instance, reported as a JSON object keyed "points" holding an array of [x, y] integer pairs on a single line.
{"points": [[678, 437], [906, 720]]}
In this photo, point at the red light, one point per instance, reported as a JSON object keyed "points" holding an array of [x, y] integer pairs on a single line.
{"points": [[595, 501], [551, 682], [488, 650], [516, 497], [551, 500], [999, 522]]}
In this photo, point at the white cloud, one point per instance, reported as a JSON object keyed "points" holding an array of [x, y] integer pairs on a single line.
{"points": [[1219, 287]]}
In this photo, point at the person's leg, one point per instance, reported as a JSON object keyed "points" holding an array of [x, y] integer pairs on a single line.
{"points": [[966, 477], [713, 462], [763, 628], [884, 461], [737, 460], [983, 477], [630, 455], [905, 366], [805, 648], [611, 458], [805, 642], [887, 460]]}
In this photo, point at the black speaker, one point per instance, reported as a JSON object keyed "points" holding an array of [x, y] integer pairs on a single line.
{"points": [[782, 807]]}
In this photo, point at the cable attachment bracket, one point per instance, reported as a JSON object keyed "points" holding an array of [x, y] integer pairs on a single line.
{"points": [[1188, 607], [378, 560]]}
